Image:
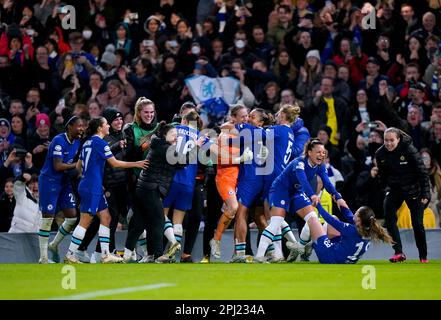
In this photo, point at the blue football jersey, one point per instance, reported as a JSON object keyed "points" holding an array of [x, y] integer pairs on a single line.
{"points": [[350, 246], [253, 138], [62, 148], [94, 154], [280, 148], [299, 175], [187, 141]]}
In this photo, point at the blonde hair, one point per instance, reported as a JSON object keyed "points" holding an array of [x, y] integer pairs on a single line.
{"points": [[291, 112], [193, 116], [139, 105]]}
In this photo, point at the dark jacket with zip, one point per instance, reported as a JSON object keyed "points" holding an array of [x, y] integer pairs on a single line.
{"points": [[160, 171], [114, 176], [402, 170]]}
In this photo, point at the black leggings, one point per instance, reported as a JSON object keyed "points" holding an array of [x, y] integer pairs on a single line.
{"points": [[194, 217], [213, 212], [148, 214], [392, 203]]}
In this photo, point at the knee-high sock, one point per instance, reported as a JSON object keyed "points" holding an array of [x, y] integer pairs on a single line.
{"points": [[277, 241], [43, 236], [168, 231], [287, 232], [240, 248], [77, 237], [178, 231], [141, 244], [305, 235], [222, 225], [104, 237], [64, 230], [268, 235]]}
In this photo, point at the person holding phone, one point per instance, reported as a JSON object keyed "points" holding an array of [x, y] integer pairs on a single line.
{"points": [[40, 140]]}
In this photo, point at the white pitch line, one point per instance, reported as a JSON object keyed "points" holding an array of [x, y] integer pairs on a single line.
{"points": [[101, 293]]}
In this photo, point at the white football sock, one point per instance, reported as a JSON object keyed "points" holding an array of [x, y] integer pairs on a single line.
{"points": [[43, 236]]}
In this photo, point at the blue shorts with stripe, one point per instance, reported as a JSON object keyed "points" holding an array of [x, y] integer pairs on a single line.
{"points": [[279, 197], [249, 191], [324, 249], [92, 203], [299, 201], [180, 196], [54, 196]]}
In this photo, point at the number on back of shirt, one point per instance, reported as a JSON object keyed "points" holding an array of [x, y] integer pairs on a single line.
{"points": [[86, 156], [188, 146], [288, 153], [355, 256]]}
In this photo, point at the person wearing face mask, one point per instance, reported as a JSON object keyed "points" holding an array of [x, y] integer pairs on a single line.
{"points": [[87, 33], [402, 171], [240, 50]]}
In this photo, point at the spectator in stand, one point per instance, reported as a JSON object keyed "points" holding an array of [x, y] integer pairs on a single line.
{"points": [[327, 109], [299, 47], [415, 52], [142, 78], [19, 128], [40, 139], [16, 46], [284, 25], [351, 55], [409, 22], [123, 40], [26, 217], [429, 27], [84, 62], [435, 183], [6, 139], [108, 65], [7, 205], [373, 77], [261, 47], [120, 93], [95, 109], [284, 70], [271, 97], [384, 53], [420, 135], [310, 74], [333, 154], [240, 50], [16, 107], [169, 85]]}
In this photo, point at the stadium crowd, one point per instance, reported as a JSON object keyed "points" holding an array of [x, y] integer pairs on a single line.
{"points": [[352, 80]]}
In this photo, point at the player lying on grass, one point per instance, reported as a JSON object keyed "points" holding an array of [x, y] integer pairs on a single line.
{"points": [[347, 241]]}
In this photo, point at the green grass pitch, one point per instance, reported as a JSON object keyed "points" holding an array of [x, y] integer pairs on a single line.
{"points": [[219, 281]]}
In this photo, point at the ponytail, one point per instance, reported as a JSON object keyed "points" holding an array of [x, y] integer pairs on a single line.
{"points": [[369, 226], [193, 116], [310, 145], [94, 124], [163, 128], [291, 112], [265, 117], [399, 133]]}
